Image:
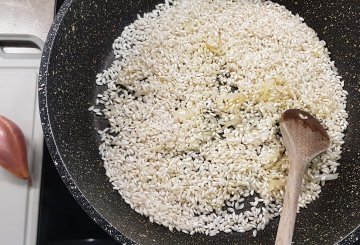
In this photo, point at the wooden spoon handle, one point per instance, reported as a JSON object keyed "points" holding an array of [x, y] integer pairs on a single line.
{"points": [[288, 213]]}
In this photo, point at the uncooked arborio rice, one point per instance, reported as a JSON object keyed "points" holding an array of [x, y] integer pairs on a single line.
{"points": [[193, 101]]}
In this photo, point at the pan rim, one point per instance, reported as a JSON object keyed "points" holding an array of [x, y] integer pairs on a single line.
{"points": [[50, 140]]}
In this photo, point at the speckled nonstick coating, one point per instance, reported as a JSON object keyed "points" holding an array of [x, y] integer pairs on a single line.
{"points": [[79, 46]]}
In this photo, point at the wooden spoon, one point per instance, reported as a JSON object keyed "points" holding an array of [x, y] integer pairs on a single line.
{"points": [[304, 138]]}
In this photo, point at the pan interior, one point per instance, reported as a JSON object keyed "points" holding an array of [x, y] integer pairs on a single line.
{"points": [[81, 47]]}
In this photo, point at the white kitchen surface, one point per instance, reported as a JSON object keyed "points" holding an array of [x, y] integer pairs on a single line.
{"points": [[26, 17], [21, 20], [19, 203]]}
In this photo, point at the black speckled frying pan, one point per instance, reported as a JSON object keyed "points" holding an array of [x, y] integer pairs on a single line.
{"points": [[79, 46]]}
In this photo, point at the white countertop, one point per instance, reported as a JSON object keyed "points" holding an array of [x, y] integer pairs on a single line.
{"points": [[32, 17]]}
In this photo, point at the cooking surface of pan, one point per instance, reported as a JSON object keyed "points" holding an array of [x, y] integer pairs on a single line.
{"points": [[79, 46]]}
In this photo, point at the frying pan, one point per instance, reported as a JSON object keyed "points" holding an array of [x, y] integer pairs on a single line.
{"points": [[79, 46]]}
